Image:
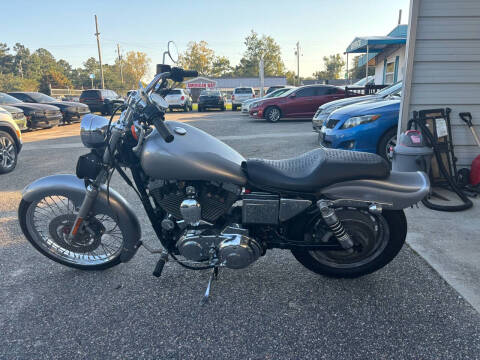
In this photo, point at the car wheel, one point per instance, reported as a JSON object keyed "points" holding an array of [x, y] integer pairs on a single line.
{"points": [[185, 108], [387, 141], [273, 114], [8, 153]]}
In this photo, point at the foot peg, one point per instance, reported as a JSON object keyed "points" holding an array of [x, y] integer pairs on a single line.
{"points": [[160, 264]]}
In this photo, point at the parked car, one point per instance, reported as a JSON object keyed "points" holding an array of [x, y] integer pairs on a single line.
{"points": [[179, 99], [73, 98], [17, 115], [38, 115], [247, 104], [241, 94], [325, 110], [301, 102], [69, 109], [210, 99], [10, 142], [101, 100], [369, 127], [275, 87], [368, 80]]}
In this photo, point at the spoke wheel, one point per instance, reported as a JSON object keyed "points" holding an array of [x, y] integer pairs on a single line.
{"points": [[8, 153], [48, 223]]}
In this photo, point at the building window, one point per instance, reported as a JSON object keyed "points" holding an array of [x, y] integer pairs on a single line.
{"points": [[390, 73]]}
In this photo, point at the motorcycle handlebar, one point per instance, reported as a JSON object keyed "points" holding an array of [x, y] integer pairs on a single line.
{"points": [[162, 129]]}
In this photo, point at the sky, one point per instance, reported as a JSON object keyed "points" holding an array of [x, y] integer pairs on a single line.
{"points": [[66, 28]]}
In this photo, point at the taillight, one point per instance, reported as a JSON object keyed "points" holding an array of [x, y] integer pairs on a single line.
{"points": [[253, 95], [134, 132], [233, 97], [182, 98]]}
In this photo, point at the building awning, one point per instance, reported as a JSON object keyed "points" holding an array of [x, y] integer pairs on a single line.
{"points": [[375, 44]]}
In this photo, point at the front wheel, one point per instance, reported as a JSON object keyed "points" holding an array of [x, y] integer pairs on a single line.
{"points": [[387, 142], [273, 114], [8, 153], [47, 222], [377, 238]]}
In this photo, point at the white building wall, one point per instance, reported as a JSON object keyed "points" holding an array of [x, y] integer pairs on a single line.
{"points": [[390, 54], [444, 37]]}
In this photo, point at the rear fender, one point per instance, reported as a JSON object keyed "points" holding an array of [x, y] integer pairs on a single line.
{"points": [[399, 191], [115, 205]]}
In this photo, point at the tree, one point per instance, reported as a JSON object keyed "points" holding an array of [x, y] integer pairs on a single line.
{"points": [[53, 79], [291, 76], [221, 67], [358, 72], [256, 47], [198, 56], [136, 64], [6, 59], [333, 68], [9, 82]]}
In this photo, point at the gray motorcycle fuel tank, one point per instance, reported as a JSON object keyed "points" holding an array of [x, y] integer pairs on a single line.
{"points": [[192, 155]]}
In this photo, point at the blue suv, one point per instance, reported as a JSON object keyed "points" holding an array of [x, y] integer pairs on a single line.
{"points": [[369, 127]]}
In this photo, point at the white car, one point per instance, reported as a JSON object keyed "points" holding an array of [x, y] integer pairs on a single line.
{"points": [[241, 94], [179, 99]]}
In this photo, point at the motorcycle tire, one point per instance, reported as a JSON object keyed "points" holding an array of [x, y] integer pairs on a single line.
{"points": [[397, 231], [25, 213]]}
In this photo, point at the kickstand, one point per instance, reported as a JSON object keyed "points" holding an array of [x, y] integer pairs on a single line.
{"points": [[213, 276]]}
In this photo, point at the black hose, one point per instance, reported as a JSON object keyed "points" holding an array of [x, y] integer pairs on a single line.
{"points": [[467, 203]]}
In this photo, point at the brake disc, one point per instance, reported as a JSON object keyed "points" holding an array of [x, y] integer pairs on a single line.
{"points": [[85, 241]]}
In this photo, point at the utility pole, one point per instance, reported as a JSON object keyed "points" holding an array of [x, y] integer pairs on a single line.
{"points": [[97, 34], [297, 52], [262, 76], [120, 62], [399, 16]]}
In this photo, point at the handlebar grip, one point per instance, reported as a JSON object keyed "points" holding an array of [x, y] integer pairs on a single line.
{"points": [[190, 73], [162, 129]]}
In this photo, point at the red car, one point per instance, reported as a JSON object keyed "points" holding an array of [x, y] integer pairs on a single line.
{"points": [[301, 102]]}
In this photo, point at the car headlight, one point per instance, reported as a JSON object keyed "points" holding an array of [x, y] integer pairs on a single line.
{"points": [[359, 120]]}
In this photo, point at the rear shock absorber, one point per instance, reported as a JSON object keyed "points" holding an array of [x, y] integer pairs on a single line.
{"points": [[331, 219]]}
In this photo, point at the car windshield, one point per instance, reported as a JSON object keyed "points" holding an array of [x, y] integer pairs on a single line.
{"points": [[7, 99], [174, 92], [39, 97], [364, 81], [276, 93], [288, 92], [210, 93], [243, 91], [390, 90]]}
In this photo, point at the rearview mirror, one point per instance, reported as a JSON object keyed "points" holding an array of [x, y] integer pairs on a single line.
{"points": [[292, 96], [172, 51]]}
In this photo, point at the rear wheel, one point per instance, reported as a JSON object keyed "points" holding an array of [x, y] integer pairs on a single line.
{"points": [[273, 114], [8, 153], [47, 222], [377, 238]]}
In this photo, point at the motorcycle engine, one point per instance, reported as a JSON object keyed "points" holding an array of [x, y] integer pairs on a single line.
{"points": [[214, 199], [232, 247]]}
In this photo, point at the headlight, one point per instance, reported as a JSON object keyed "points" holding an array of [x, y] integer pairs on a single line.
{"points": [[92, 130], [359, 120]]}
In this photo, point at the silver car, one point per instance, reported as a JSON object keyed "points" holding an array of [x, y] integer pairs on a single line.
{"points": [[326, 109]]}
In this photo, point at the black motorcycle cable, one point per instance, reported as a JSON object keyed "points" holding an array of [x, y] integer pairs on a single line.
{"points": [[467, 203]]}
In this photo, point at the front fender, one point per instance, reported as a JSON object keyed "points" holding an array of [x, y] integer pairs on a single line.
{"points": [[115, 205]]}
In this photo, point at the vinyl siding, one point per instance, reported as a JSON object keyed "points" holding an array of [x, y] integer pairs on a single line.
{"points": [[446, 67]]}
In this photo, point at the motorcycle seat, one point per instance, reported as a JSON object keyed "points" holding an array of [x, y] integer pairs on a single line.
{"points": [[315, 169]]}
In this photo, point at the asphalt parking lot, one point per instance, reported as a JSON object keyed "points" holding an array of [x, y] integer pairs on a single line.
{"points": [[274, 309]]}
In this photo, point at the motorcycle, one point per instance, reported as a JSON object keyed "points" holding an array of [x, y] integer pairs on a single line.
{"points": [[339, 212]]}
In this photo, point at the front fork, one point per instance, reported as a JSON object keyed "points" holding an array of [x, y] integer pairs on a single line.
{"points": [[92, 189]]}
